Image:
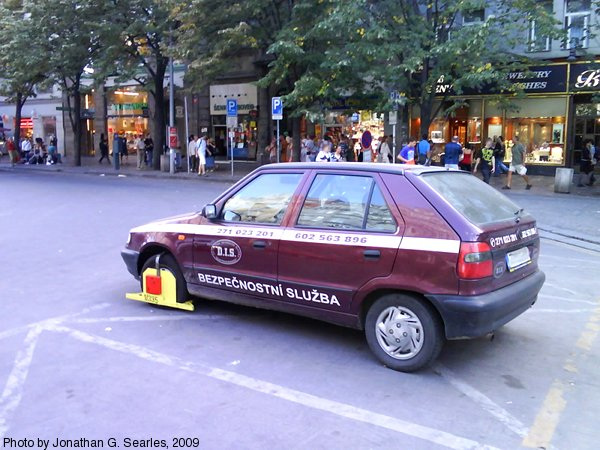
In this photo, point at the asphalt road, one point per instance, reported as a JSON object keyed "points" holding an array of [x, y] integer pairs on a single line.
{"points": [[78, 361]]}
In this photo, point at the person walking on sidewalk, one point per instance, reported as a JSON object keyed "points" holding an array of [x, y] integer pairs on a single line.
{"points": [[103, 149], [201, 152], [453, 154], [12, 151], [499, 153], [517, 165], [487, 161], [586, 166], [140, 148], [424, 149], [191, 151]]}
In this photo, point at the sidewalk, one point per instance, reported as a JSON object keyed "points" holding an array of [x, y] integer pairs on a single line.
{"points": [[90, 166]]}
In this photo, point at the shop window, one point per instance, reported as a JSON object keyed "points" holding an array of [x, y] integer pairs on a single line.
{"points": [[538, 42], [577, 21], [474, 16]]}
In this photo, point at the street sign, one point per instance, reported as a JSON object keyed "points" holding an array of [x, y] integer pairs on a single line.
{"points": [[355, 117], [393, 118], [277, 108], [232, 107], [172, 137], [232, 122]]}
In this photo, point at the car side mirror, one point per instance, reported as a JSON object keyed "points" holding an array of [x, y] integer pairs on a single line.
{"points": [[209, 211]]}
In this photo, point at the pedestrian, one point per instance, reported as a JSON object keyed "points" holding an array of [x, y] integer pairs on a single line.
{"points": [[407, 154], [271, 150], [586, 165], [384, 151], [192, 156], [453, 154], [289, 149], [140, 148], [201, 152], [25, 149], [517, 165], [338, 155], [103, 149], [53, 155], [499, 154], [347, 152], [122, 150], [486, 159], [325, 152], [12, 151], [211, 151], [283, 147], [424, 150], [149, 144], [465, 163]]}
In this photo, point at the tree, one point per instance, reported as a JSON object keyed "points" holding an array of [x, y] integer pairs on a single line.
{"points": [[71, 34], [413, 46], [20, 75], [139, 36]]}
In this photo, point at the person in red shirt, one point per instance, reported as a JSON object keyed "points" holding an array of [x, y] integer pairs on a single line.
{"points": [[467, 160], [12, 151]]}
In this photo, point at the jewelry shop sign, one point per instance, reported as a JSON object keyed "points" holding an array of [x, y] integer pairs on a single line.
{"points": [[584, 77]]}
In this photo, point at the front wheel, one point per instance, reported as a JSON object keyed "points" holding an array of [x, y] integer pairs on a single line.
{"points": [[404, 333], [167, 261]]}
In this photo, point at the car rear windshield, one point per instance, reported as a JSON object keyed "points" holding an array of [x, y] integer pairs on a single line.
{"points": [[478, 202]]}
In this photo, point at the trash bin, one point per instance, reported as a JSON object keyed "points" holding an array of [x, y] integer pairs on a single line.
{"points": [[563, 180], [164, 163]]}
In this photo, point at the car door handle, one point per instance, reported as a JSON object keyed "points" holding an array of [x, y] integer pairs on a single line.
{"points": [[372, 254], [259, 244]]}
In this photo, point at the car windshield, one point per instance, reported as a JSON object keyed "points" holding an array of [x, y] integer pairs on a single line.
{"points": [[478, 202]]}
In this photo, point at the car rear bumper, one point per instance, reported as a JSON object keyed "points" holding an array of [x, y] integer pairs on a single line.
{"points": [[477, 315], [131, 261]]}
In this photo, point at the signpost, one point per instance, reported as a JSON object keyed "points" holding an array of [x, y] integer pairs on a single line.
{"points": [[172, 137], [232, 112], [277, 113], [393, 120]]}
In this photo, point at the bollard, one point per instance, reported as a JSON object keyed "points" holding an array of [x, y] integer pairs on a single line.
{"points": [[563, 179]]}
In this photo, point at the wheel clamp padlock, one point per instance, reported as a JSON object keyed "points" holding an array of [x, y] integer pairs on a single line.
{"points": [[159, 288]]}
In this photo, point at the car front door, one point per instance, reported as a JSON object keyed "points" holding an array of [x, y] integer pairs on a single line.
{"points": [[343, 235], [238, 251]]}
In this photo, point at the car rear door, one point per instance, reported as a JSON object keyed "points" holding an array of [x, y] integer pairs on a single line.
{"points": [[344, 231]]}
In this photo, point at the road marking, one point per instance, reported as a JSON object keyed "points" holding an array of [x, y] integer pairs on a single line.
{"points": [[541, 433], [147, 318], [511, 422], [566, 299], [58, 319], [560, 311], [13, 390], [340, 409], [554, 286]]}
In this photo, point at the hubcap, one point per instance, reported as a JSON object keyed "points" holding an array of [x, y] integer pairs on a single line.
{"points": [[399, 332]]}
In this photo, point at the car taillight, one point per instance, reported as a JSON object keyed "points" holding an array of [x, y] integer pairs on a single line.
{"points": [[475, 260]]}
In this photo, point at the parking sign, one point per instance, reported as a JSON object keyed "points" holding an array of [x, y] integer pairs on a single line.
{"points": [[231, 107], [277, 108]]}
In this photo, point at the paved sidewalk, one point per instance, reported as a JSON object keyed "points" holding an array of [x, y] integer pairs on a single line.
{"points": [[90, 166]]}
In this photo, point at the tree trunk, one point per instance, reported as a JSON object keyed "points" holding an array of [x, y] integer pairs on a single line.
{"points": [[76, 123], [18, 115], [296, 138], [159, 117], [426, 108]]}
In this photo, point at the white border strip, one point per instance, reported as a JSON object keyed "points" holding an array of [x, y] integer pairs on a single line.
{"points": [[430, 245]]}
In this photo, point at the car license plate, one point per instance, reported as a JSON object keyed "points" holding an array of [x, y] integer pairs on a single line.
{"points": [[517, 259]]}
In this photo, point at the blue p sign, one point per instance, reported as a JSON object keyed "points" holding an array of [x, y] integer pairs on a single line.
{"points": [[277, 108], [232, 107]]}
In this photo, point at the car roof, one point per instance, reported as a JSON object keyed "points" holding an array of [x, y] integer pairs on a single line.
{"points": [[400, 169]]}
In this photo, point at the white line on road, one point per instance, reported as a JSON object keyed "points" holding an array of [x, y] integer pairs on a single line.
{"points": [[511, 422], [554, 286], [13, 390], [559, 311], [340, 409], [54, 320], [147, 318], [566, 299]]}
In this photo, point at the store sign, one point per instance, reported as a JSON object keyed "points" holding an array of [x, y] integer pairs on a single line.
{"points": [[128, 109], [585, 77], [537, 79], [246, 95]]}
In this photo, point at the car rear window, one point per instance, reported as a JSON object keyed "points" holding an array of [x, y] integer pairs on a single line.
{"points": [[478, 202]]}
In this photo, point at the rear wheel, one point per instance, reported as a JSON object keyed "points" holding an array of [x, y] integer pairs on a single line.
{"points": [[167, 261], [404, 333]]}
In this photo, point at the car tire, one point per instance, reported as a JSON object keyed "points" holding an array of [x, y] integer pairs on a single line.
{"points": [[168, 262], [403, 332]]}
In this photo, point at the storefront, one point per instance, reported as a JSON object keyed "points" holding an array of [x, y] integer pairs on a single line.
{"points": [[245, 134], [539, 119], [352, 125], [127, 113], [584, 83]]}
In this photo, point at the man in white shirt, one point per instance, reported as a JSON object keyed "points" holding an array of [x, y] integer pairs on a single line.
{"points": [[140, 148], [26, 148]]}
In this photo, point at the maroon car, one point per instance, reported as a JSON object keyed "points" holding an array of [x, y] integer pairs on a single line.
{"points": [[413, 255]]}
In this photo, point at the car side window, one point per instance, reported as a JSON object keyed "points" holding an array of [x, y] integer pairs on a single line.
{"points": [[380, 217], [263, 200], [340, 202]]}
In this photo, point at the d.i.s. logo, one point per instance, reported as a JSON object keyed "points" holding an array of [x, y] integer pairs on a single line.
{"points": [[226, 252]]}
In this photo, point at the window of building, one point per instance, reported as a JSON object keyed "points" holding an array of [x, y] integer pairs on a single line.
{"points": [[538, 42], [577, 21], [474, 16], [346, 202], [263, 200]]}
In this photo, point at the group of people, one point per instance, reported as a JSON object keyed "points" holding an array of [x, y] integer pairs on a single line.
{"points": [[33, 152], [200, 152], [143, 147]]}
